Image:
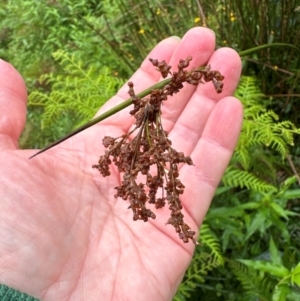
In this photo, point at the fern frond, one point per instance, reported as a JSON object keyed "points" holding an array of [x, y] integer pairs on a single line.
{"points": [[79, 92], [242, 155], [248, 91], [261, 126], [208, 239], [240, 178], [201, 264], [253, 282]]}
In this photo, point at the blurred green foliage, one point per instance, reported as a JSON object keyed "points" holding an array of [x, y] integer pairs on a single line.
{"points": [[32, 30], [75, 54]]}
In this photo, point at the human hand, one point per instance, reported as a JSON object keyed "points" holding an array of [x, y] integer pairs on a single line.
{"points": [[63, 235]]}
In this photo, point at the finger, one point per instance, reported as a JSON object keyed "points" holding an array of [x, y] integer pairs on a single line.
{"points": [[143, 78], [198, 42], [211, 156], [13, 97], [228, 62], [186, 131]]}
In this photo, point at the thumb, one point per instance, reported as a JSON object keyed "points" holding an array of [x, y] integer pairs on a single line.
{"points": [[13, 98]]}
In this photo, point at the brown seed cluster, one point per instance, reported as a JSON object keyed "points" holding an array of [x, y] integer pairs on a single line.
{"points": [[148, 162]]}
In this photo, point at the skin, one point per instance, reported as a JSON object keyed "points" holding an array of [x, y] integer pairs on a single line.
{"points": [[63, 235]]}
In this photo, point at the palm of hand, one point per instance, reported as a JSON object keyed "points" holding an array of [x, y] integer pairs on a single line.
{"points": [[60, 225]]}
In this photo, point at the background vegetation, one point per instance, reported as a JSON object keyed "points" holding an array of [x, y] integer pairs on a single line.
{"points": [[74, 54]]}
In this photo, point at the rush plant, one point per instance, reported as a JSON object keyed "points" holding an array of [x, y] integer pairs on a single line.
{"points": [[148, 162]]}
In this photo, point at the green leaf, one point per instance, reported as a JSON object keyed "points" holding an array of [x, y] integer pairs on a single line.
{"points": [[275, 255], [222, 212], [280, 211], [265, 266], [258, 223], [291, 194], [295, 275], [250, 205], [288, 182], [221, 190], [281, 292]]}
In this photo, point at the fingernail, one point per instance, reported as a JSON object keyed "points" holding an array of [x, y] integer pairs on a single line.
{"points": [[175, 37]]}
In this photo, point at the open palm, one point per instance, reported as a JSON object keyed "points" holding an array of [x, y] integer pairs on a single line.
{"points": [[63, 235]]}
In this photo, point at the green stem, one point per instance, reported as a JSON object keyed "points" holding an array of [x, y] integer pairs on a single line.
{"points": [[105, 115], [254, 49], [146, 92]]}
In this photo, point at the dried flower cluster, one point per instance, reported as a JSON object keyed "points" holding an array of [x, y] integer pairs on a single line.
{"points": [[150, 155]]}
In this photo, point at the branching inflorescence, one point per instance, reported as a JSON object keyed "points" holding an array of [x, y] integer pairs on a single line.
{"points": [[150, 155]]}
